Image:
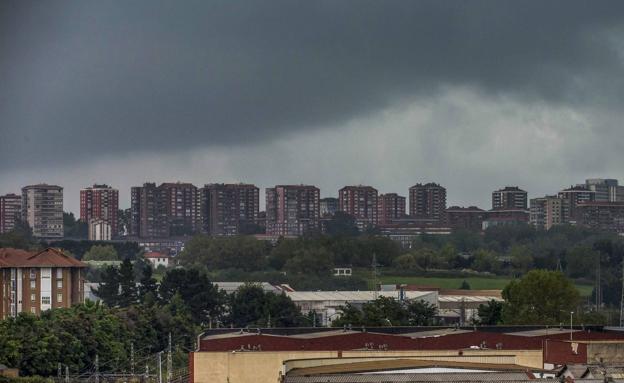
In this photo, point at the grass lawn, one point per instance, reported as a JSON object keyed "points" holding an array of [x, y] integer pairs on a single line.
{"points": [[476, 283]]}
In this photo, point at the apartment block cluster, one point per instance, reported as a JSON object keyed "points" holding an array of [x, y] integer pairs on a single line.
{"points": [[172, 210], [597, 203]]}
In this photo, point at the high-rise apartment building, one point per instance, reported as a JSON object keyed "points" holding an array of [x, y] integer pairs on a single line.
{"points": [[182, 207], [42, 209], [390, 206], [605, 190], [328, 206], [601, 215], [509, 198], [10, 211], [170, 209], [361, 203], [545, 212], [229, 209], [571, 198], [148, 212], [37, 281], [427, 202], [100, 203], [292, 209]]}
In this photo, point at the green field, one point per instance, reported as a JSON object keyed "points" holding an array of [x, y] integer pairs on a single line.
{"points": [[476, 283]]}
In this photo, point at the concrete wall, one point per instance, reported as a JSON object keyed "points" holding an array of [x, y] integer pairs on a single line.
{"points": [[610, 353], [265, 366]]}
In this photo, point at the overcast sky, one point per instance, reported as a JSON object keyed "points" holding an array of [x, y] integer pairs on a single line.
{"points": [[474, 95]]}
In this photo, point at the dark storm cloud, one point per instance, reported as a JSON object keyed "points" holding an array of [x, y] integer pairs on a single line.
{"points": [[94, 78]]}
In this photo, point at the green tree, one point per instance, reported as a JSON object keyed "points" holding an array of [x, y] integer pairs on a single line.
{"points": [[203, 299], [540, 297], [421, 313], [490, 314], [342, 225], [251, 306], [521, 258], [74, 228], [101, 253], [148, 289], [464, 285], [108, 291], [127, 284], [485, 260], [581, 261]]}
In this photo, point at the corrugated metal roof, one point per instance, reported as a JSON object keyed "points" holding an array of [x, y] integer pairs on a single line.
{"points": [[353, 296], [411, 377], [467, 299]]}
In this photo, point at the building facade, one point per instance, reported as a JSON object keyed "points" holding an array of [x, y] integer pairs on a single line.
{"points": [[427, 202], [38, 281], [99, 230], [328, 206], [361, 203], [229, 209], [545, 212], [509, 197], [571, 198], [605, 189], [465, 218], [100, 203], [148, 212], [42, 210], [292, 209], [10, 211], [601, 215], [390, 207], [182, 207]]}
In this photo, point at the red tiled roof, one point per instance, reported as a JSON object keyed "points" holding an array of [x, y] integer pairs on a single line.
{"points": [[49, 257]]}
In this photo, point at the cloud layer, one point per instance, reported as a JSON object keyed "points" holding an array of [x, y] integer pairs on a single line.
{"points": [[473, 95]]}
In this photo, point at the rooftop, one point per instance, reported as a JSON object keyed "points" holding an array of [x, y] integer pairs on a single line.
{"points": [[49, 257]]}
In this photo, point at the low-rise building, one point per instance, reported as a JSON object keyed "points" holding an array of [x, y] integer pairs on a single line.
{"points": [[38, 281], [465, 218], [158, 259], [99, 230]]}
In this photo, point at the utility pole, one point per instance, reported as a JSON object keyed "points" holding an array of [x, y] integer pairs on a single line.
{"points": [[375, 282], [97, 368], [622, 298], [571, 312], [169, 362], [132, 358], [58, 372], [159, 366], [66, 374]]}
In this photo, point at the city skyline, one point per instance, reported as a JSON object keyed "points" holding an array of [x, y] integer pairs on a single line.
{"points": [[385, 96]]}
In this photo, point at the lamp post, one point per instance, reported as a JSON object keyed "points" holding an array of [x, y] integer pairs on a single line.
{"points": [[571, 312]]}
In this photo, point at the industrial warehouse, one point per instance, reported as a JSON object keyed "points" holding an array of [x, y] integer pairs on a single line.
{"points": [[408, 354]]}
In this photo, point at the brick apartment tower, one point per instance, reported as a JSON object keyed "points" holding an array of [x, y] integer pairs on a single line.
{"points": [[10, 211], [100, 203], [427, 202], [509, 198], [390, 206], [37, 281], [183, 207], [228, 208], [292, 209], [361, 203], [148, 212], [42, 209]]}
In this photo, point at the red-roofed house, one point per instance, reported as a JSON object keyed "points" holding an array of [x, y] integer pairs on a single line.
{"points": [[38, 281]]}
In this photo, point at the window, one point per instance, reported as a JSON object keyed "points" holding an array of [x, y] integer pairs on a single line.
{"points": [[59, 283], [33, 273], [59, 273], [59, 297], [33, 297], [33, 284], [45, 300], [33, 310]]}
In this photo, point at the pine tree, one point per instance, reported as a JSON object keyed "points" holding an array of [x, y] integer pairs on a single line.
{"points": [[148, 290], [108, 291], [127, 284]]}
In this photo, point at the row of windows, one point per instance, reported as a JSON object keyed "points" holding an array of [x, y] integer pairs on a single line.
{"points": [[45, 300]]}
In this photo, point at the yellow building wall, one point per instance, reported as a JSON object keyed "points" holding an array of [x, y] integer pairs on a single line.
{"points": [[265, 366]]}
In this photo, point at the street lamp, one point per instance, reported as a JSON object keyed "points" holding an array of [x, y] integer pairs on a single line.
{"points": [[571, 312]]}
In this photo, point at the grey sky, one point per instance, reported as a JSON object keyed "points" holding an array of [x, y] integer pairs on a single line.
{"points": [[474, 95]]}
